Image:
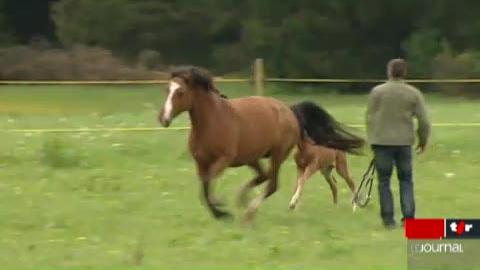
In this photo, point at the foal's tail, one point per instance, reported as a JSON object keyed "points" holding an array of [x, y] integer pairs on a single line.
{"points": [[316, 123]]}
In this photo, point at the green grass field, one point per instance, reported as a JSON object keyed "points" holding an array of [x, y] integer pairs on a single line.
{"points": [[122, 200]]}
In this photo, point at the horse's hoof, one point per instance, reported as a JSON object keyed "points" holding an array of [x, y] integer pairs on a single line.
{"points": [[217, 202], [354, 199], [249, 217], [292, 206], [242, 199], [225, 216], [354, 204], [354, 207]]}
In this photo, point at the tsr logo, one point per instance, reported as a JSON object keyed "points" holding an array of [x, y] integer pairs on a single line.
{"points": [[460, 228]]}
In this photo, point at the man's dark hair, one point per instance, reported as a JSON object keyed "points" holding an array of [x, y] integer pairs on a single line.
{"points": [[397, 69]]}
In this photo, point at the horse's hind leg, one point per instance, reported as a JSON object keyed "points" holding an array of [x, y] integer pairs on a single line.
{"points": [[257, 180], [302, 177], [276, 160], [327, 173], [207, 173]]}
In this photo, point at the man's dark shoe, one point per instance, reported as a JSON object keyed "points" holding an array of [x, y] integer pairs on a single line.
{"points": [[390, 225], [403, 220]]}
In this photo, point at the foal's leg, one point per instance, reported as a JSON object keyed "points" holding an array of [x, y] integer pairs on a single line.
{"points": [[257, 180], [207, 173], [303, 175], [342, 170], [327, 173]]}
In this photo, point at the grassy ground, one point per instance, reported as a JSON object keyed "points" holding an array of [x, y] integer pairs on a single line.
{"points": [[118, 200]]}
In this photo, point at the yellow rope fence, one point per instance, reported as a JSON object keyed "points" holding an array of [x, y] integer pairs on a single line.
{"points": [[151, 129]]}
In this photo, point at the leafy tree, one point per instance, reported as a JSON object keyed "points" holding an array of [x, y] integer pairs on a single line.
{"points": [[334, 38], [6, 36]]}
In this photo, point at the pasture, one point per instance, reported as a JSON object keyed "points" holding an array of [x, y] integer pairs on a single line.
{"points": [[122, 200]]}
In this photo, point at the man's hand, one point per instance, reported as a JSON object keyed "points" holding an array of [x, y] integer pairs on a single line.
{"points": [[420, 148]]}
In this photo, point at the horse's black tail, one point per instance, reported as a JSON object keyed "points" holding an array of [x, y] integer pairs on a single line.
{"points": [[316, 123]]}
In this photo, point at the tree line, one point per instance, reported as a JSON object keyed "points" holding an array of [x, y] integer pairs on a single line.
{"points": [[297, 38]]}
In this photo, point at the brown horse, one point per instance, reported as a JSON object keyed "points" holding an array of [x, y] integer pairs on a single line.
{"points": [[230, 133], [311, 158]]}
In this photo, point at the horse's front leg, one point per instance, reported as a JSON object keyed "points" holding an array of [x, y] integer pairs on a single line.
{"points": [[207, 173], [296, 189]]}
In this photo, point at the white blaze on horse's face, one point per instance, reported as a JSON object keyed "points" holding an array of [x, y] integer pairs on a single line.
{"points": [[168, 108]]}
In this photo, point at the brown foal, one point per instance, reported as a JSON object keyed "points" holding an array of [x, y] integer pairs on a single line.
{"points": [[237, 132], [311, 158]]}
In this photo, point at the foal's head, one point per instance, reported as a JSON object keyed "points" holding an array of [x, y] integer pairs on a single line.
{"points": [[183, 83]]}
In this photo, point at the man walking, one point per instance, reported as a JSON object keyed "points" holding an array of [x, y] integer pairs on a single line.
{"points": [[390, 128]]}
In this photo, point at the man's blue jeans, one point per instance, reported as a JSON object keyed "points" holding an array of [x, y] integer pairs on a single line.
{"points": [[386, 157]]}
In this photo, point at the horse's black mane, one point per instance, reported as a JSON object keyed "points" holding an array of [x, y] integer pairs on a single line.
{"points": [[197, 77]]}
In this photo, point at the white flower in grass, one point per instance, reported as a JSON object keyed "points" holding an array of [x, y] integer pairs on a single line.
{"points": [[449, 174], [116, 145], [55, 240], [18, 190]]}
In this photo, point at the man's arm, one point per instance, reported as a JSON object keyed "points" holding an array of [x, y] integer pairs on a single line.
{"points": [[372, 101], [423, 130], [371, 107]]}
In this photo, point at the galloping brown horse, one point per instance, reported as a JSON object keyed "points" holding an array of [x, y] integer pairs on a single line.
{"points": [[237, 132]]}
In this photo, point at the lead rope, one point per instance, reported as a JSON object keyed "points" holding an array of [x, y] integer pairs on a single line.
{"points": [[367, 182]]}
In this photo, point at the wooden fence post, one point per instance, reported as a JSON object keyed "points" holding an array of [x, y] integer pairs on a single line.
{"points": [[259, 77]]}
